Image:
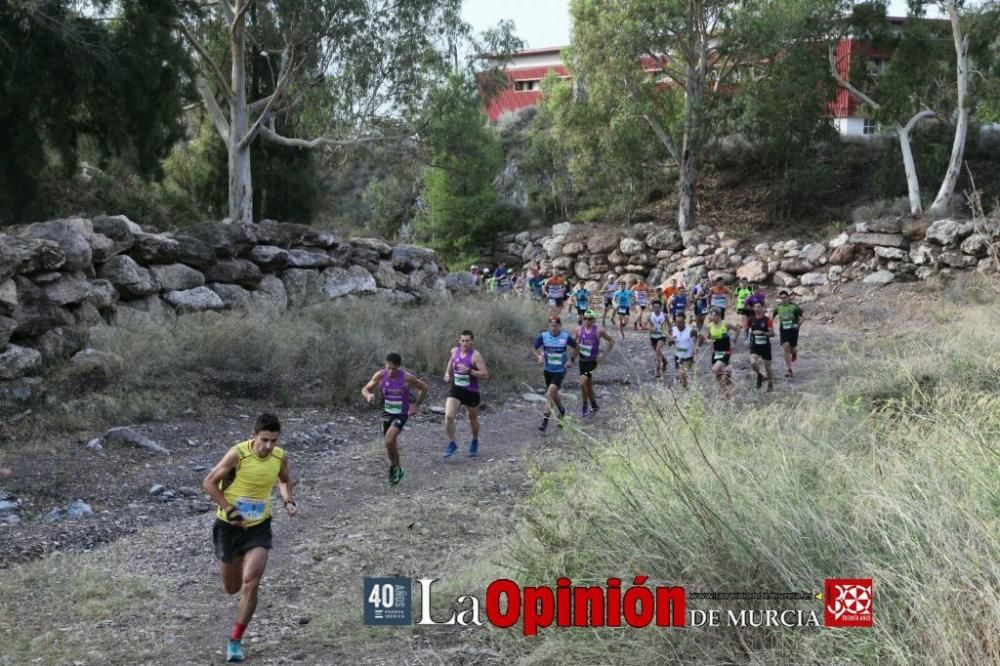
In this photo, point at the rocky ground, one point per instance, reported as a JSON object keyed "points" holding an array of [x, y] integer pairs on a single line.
{"points": [[133, 579]]}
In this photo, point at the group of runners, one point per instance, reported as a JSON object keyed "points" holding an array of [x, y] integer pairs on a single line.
{"points": [[242, 483]]}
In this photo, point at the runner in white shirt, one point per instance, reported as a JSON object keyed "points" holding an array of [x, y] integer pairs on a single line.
{"points": [[682, 339]]}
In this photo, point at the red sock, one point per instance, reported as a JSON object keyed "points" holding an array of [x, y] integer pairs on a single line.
{"points": [[238, 630]]}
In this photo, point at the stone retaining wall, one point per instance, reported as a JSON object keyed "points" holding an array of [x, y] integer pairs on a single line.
{"points": [[875, 252], [60, 278]]}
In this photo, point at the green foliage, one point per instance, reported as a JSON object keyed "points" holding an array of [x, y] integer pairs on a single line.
{"points": [[75, 87], [390, 202], [462, 209]]}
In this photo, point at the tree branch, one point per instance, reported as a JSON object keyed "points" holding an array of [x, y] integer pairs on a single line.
{"points": [[214, 111], [279, 89], [927, 113], [663, 137], [270, 135], [227, 10], [210, 64], [846, 85], [241, 10]]}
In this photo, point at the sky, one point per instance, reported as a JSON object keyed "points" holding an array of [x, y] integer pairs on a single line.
{"points": [[546, 22]]}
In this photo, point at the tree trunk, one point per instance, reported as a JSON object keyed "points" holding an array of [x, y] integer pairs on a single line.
{"points": [[942, 201], [687, 184], [240, 187], [912, 183]]}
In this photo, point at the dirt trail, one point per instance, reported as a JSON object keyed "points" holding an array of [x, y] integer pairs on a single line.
{"points": [[445, 517]]}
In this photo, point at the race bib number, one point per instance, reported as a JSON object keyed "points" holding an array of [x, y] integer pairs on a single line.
{"points": [[759, 339], [656, 335], [586, 350], [554, 359], [719, 356], [787, 325], [682, 351], [461, 380], [250, 508], [622, 310], [552, 302], [719, 301], [393, 407]]}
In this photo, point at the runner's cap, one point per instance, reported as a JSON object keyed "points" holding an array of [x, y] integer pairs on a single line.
{"points": [[555, 320]]}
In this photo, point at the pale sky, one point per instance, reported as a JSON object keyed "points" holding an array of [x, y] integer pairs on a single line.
{"points": [[546, 22]]}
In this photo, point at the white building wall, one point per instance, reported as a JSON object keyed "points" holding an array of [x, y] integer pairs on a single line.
{"points": [[541, 60], [852, 126]]}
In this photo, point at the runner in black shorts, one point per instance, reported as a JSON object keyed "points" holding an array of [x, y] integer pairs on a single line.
{"points": [[242, 484], [760, 332], [722, 349], [789, 318], [394, 383], [588, 340], [558, 352], [466, 368]]}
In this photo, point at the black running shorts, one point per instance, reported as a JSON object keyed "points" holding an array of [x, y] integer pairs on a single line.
{"points": [[656, 341], [464, 396], [721, 357], [390, 420], [554, 378], [232, 541], [678, 361], [762, 351], [587, 367], [789, 335]]}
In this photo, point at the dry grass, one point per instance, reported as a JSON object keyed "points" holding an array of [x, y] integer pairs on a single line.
{"points": [[895, 477]]}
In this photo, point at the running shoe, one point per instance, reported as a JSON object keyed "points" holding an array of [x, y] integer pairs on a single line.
{"points": [[234, 651], [770, 386], [474, 448], [397, 475], [760, 380], [451, 450]]}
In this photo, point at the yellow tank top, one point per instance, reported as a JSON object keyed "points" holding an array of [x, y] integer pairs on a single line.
{"points": [[250, 491], [717, 332]]}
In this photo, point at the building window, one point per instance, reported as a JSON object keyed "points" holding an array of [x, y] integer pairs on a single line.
{"points": [[523, 86], [876, 67], [871, 127]]}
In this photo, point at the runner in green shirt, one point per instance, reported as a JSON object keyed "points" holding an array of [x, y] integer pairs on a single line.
{"points": [[789, 317]]}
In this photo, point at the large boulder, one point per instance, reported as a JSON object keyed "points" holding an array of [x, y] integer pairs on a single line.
{"points": [[60, 343], [393, 297], [563, 263], [283, 234], [269, 257], [754, 271], [142, 313], [339, 282], [553, 246], [880, 278], [840, 240], [363, 248], [69, 288], [95, 367], [562, 228], [154, 249], [8, 296], [129, 278], [35, 312], [889, 240], [234, 271], [102, 294], [177, 277], [102, 248], [886, 225], [226, 240], [603, 242], [915, 230], [843, 254], [7, 326], [69, 237], [27, 255], [948, 232], [233, 297], [574, 248], [796, 265], [666, 239], [302, 286], [193, 252], [305, 259], [460, 282], [813, 252], [582, 270], [630, 246], [957, 260], [86, 315], [270, 296], [119, 229], [385, 275], [977, 245], [408, 258], [783, 279], [198, 299], [18, 361], [893, 253], [813, 279]]}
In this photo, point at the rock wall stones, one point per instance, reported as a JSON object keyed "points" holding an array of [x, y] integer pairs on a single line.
{"points": [[877, 252], [62, 277]]}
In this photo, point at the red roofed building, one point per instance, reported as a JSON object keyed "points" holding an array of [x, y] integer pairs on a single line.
{"points": [[525, 73]]}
